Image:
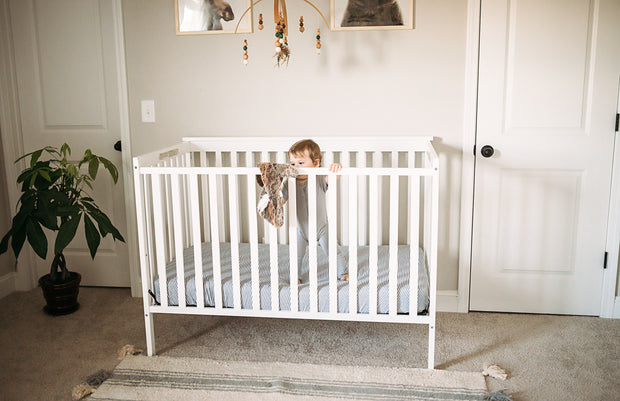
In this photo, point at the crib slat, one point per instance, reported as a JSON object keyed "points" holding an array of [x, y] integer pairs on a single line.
{"points": [[220, 197], [186, 207], [344, 199], [233, 186], [233, 198], [168, 212], [292, 243], [158, 217], [312, 243], [281, 158], [253, 240], [414, 224], [333, 251], [353, 195], [372, 250], [378, 162], [393, 263], [273, 254], [204, 162], [178, 238], [195, 223], [363, 201], [215, 241], [264, 157]]}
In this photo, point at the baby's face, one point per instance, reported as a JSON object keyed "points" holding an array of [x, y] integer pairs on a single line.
{"points": [[302, 160]]}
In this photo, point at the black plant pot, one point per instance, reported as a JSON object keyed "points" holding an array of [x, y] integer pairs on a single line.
{"points": [[61, 298]]}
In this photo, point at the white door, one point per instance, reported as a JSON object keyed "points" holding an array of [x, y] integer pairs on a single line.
{"points": [[67, 72], [547, 97]]}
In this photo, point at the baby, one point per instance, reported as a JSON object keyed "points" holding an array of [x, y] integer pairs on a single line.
{"points": [[307, 154]]}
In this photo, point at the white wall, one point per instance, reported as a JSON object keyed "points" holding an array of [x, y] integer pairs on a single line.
{"points": [[364, 83]]}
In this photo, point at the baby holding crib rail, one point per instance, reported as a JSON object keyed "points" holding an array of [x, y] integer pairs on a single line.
{"points": [[307, 154]]}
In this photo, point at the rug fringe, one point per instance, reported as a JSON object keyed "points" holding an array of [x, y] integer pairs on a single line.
{"points": [[128, 349], [498, 396], [90, 385], [495, 371]]}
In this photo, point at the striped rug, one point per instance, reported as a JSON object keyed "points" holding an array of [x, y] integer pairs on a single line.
{"points": [[167, 378]]}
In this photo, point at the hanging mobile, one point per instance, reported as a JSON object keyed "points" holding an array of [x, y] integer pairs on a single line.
{"points": [[301, 24], [260, 21], [245, 52], [318, 41], [282, 50]]}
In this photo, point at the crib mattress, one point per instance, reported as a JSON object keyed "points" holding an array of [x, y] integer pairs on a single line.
{"points": [[304, 290]]}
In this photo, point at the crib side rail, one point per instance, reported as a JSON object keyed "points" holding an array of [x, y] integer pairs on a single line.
{"points": [[166, 218]]}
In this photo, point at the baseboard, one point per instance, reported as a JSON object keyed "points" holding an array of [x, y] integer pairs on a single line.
{"points": [[616, 314], [7, 284], [447, 301]]}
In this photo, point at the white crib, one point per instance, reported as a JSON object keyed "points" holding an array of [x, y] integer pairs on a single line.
{"points": [[205, 251]]}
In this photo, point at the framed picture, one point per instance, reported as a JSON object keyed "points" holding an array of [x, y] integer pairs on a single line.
{"points": [[195, 17], [371, 14]]}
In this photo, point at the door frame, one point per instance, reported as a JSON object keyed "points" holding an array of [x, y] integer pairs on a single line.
{"points": [[11, 133], [610, 304]]}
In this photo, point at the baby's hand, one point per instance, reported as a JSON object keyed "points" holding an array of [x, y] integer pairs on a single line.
{"points": [[335, 167]]}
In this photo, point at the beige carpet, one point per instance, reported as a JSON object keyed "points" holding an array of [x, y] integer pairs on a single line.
{"points": [[568, 358], [167, 378]]}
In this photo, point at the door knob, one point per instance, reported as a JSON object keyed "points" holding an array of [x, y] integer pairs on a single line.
{"points": [[487, 151], [117, 146]]}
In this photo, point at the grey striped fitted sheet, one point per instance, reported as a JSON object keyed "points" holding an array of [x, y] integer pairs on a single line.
{"points": [[304, 290]]}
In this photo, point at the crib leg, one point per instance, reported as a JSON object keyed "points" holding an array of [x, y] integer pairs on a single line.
{"points": [[150, 333], [431, 346]]}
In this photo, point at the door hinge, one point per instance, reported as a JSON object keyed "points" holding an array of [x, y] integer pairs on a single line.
{"points": [[617, 122], [475, 145], [605, 261]]}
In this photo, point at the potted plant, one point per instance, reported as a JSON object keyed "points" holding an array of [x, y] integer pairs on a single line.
{"points": [[54, 197]]}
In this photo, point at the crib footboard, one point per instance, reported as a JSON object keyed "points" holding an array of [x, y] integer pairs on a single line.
{"points": [[204, 249]]}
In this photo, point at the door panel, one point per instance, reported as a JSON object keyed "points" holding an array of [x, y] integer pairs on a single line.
{"points": [[548, 71], [67, 73]]}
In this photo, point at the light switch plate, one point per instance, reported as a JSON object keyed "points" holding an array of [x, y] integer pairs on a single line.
{"points": [[148, 111]]}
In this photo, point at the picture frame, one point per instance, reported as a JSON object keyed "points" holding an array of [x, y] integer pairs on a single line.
{"points": [[351, 15], [200, 17]]}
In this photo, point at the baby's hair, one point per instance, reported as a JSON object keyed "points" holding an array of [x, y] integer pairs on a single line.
{"points": [[314, 151]]}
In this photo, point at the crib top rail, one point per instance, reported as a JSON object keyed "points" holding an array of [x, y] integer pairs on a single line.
{"points": [[333, 144], [421, 144]]}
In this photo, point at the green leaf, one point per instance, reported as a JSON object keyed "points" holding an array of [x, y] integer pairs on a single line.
{"points": [[72, 170], [45, 175], [36, 238], [64, 211], [34, 177], [66, 233], [24, 156], [65, 149], [4, 244], [110, 167], [19, 237], [24, 175], [92, 236], [35, 157], [46, 216], [93, 166], [105, 225]]}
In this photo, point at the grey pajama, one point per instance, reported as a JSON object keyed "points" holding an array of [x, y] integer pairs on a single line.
{"points": [[322, 224]]}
